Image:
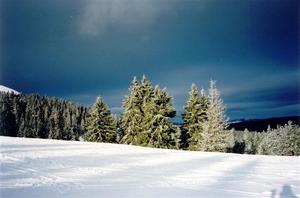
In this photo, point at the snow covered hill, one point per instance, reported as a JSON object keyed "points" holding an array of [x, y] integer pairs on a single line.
{"points": [[6, 89], [53, 168]]}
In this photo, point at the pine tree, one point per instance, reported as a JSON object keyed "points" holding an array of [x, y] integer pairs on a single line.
{"points": [[157, 120], [291, 142], [132, 117], [252, 141], [8, 125], [40, 116], [248, 140], [233, 144], [100, 124], [146, 91], [194, 116], [146, 116], [135, 113], [119, 134], [146, 95], [56, 122], [284, 140], [214, 135]]}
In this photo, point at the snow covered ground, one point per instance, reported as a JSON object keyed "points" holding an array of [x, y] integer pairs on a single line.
{"points": [[6, 89], [53, 168]]}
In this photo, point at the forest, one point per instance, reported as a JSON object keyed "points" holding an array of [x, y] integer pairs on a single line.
{"points": [[145, 121], [38, 116]]}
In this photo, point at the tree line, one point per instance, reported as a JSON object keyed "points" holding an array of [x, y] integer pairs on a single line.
{"points": [[145, 121], [40, 117], [282, 140]]}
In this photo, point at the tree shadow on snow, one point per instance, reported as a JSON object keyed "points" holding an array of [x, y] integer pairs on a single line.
{"points": [[285, 192]]}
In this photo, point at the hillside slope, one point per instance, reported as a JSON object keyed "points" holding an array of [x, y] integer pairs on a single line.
{"points": [[6, 89], [262, 124], [53, 168]]}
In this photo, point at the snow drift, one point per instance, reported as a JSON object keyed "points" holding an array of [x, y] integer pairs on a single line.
{"points": [[55, 168]]}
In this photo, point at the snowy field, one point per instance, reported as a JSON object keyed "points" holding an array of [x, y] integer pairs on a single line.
{"points": [[53, 168]]}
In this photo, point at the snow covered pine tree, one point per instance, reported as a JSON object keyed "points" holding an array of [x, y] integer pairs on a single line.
{"points": [[214, 135], [100, 124]]}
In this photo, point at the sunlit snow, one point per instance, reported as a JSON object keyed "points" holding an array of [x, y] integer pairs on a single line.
{"points": [[54, 168], [6, 89]]}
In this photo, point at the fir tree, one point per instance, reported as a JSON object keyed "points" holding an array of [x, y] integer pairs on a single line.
{"points": [[135, 114], [132, 116], [194, 117], [252, 141], [157, 120], [39, 116], [119, 134], [146, 116], [56, 124], [233, 144], [284, 140], [146, 91], [146, 95], [8, 125], [214, 135], [100, 124]]}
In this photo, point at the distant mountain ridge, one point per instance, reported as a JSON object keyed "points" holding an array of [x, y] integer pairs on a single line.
{"points": [[262, 124], [6, 89]]}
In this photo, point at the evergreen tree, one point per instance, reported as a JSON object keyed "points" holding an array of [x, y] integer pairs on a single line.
{"points": [[8, 124], [284, 140], [132, 116], [145, 120], [146, 95], [214, 135], [56, 122], [157, 120], [37, 113], [146, 91], [120, 134], [39, 116], [249, 142], [100, 124], [252, 141], [233, 143], [194, 116]]}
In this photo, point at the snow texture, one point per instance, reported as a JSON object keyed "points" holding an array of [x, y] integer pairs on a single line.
{"points": [[6, 89], [54, 168]]}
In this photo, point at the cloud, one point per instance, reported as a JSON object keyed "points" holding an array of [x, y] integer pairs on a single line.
{"points": [[82, 98], [246, 93], [261, 112], [117, 110], [101, 15], [113, 98]]}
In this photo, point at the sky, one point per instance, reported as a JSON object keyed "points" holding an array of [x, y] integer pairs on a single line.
{"points": [[80, 49]]}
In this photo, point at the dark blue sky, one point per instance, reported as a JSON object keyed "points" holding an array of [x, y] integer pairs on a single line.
{"points": [[80, 49]]}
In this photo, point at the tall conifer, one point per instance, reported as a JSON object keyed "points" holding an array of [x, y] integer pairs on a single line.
{"points": [[100, 124], [157, 120], [194, 117], [146, 116], [132, 116], [214, 136]]}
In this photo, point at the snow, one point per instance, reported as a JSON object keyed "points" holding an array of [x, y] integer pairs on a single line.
{"points": [[6, 89], [55, 168]]}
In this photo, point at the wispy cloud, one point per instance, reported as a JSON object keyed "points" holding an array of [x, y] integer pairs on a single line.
{"points": [[245, 92], [113, 98], [101, 15]]}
